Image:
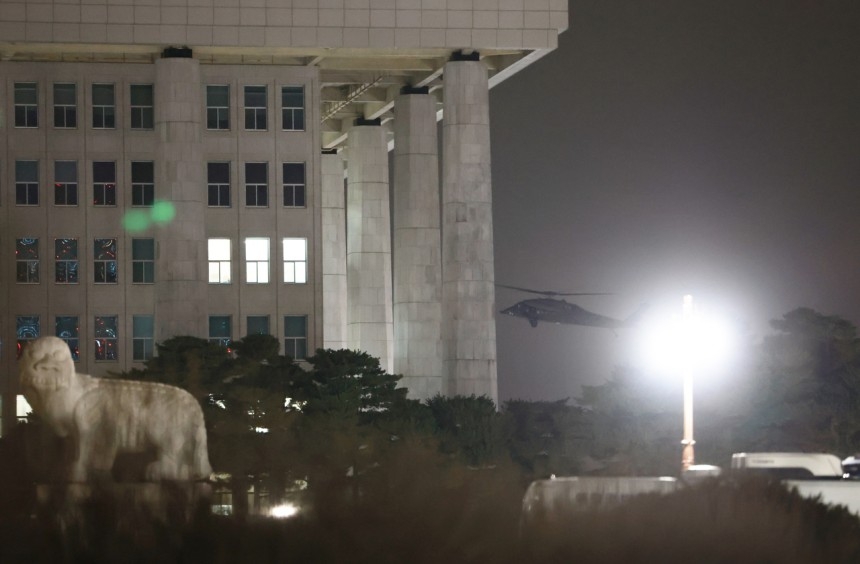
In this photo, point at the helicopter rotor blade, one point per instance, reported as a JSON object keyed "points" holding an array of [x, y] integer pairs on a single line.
{"points": [[550, 293]]}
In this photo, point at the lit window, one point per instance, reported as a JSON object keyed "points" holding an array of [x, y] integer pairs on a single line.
{"points": [[142, 114], [104, 183], [27, 328], [220, 330], [26, 104], [294, 185], [255, 108], [218, 180], [27, 261], [22, 408], [104, 106], [104, 262], [142, 183], [65, 106], [69, 331], [217, 107], [256, 184], [66, 261], [292, 108], [257, 260], [142, 337], [258, 325], [143, 261], [106, 346], [295, 260], [219, 261], [65, 183], [296, 336], [27, 183]]}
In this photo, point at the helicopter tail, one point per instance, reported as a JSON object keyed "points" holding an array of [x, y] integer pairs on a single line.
{"points": [[636, 317]]}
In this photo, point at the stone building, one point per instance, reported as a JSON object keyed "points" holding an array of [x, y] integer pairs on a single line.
{"points": [[175, 167]]}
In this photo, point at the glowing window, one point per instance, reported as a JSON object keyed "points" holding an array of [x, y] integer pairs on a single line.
{"points": [[68, 329], [104, 261], [257, 260], [66, 261], [27, 261], [219, 261], [27, 328], [295, 260], [106, 343]]}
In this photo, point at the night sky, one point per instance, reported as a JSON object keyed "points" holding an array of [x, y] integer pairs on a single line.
{"points": [[670, 147]]}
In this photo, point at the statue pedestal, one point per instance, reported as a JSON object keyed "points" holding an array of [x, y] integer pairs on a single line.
{"points": [[124, 506]]}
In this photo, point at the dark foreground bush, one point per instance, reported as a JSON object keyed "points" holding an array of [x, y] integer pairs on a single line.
{"points": [[463, 517]]}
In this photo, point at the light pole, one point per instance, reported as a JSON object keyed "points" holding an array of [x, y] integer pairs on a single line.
{"points": [[688, 456]]}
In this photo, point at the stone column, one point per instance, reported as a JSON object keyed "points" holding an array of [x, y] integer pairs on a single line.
{"points": [[333, 252], [468, 293], [417, 246], [181, 263], [368, 249]]}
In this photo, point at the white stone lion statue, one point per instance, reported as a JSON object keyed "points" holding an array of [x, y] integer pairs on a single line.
{"points": [[106, 417]]}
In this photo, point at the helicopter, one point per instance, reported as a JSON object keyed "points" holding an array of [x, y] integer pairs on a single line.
{"points": [[552, 310]]}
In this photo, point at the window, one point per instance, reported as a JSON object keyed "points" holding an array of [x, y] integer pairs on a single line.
{"points": [[27, 183], [26, 104], [295, 260], [69, 331], [294, 185], [143, 261], [220, 331], [293, 108], [258, 325], [296, 336], [65, 183], [104, 183], [65, 106], [256, 184], [27, 261], [106, 338], [66, 261], [255, 108], [217, 107], [218, 178], [219, 261], [142, 114], [27, 328], [142, 183], [104, 106], [104, 262], [257, 260], [142, 337]]}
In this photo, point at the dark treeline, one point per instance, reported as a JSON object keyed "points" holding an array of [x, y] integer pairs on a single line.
{"points": [[367, 463]]}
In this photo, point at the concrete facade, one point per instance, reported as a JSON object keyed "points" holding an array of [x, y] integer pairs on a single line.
{"points": [[221, 110], [468, 283], [417, 247], [368, 247]]}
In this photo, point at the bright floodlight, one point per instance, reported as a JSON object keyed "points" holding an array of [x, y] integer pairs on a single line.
{"points": [[284, 511], [694, 340]]}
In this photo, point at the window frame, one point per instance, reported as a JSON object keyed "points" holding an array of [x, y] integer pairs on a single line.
{"points": [[104, 115], [295, 269], [144, 114], [68, 112], [293, 187], [256, 191], [142, 268], [27, 111], [218, 112], [63, 187], [102, 266], [255, 114], [73, 341], [20, 342], [142, 345], [29, 266], [111, 349], [142, 190], [257, 270], [26, 190], [221, 265], [293, 111], [257, 318], [293, 342], [223, 340], [104, 191], [69, 264], [220, 190]]}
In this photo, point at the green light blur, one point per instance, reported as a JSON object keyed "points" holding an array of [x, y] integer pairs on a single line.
{"points": [[163, 212], [135, 220]]}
